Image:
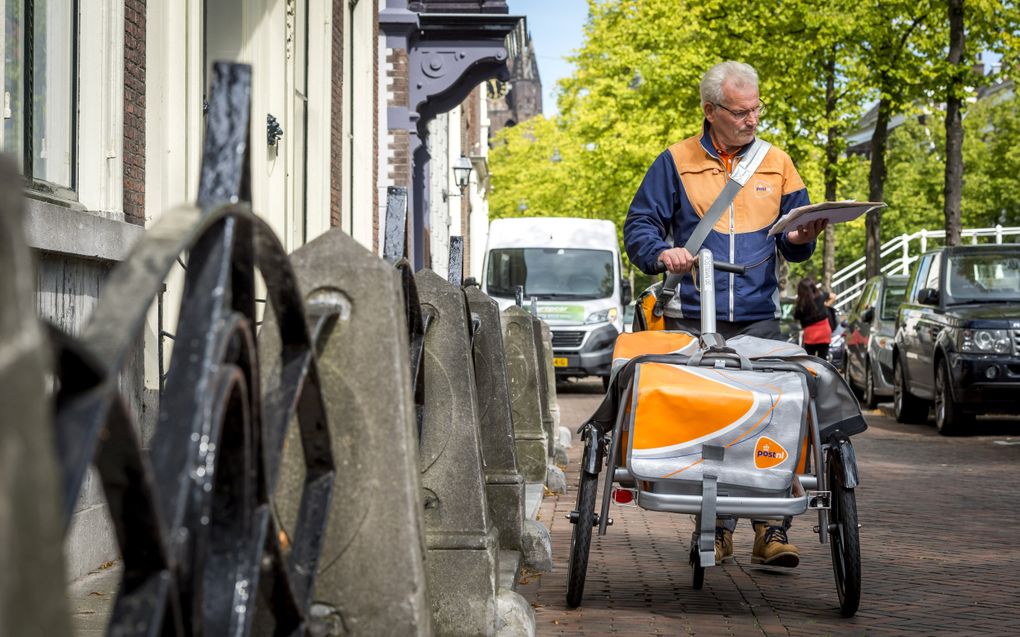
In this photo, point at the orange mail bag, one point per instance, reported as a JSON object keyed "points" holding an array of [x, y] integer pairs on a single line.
{"points": [[757, 418]]}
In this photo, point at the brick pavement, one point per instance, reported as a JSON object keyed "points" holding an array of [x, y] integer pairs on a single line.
{"points": [[939, 544]]}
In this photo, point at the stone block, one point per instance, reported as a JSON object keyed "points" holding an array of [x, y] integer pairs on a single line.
{"points": [[372, 576], [524, 380], [548, 379], [462, 560], [504, 486], [555, 479], [537, 547]]}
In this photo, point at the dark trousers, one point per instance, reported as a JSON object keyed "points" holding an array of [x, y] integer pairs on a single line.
{"points": [[765, 328], [821, 350]]}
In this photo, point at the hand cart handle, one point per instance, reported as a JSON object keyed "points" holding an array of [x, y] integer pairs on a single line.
{"points": [[725, 266]]}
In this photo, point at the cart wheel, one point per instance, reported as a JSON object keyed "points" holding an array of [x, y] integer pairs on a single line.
{"points": [[844, 539], [699, 570], [580, 542]]}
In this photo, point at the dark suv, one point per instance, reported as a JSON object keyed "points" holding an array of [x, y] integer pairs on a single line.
{"points": [[958, 335]]}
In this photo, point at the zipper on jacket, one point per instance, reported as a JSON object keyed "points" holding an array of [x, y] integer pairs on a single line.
{"points": [[733, 259]]}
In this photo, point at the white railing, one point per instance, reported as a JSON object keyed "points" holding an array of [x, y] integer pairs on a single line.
{"points": [[848, 282]]}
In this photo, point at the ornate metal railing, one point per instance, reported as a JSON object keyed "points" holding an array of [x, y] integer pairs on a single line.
{"points": [[202, 552]]}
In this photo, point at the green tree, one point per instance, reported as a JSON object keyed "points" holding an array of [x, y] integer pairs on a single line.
{"points": [[991, 154]]}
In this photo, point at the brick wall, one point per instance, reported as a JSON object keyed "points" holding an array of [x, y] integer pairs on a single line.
{"points": [[399, 147], [336, 116], [134, 111]]}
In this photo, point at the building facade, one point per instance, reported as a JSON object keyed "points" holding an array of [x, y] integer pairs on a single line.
{"points": [[104, 110]]}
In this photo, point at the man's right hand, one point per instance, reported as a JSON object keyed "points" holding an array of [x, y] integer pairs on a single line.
{"points": [[677, 260]]}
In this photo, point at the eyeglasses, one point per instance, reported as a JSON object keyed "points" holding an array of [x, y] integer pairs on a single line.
{"points": [[742, 115]]}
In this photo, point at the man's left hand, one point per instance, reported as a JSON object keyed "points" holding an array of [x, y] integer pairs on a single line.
{"points": [[807, 233]]}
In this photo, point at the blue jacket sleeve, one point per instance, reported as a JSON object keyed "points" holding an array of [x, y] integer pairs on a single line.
{"points": [[792, 252], [650, 215]]}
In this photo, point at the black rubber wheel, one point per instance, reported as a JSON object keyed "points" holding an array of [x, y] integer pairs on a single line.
{"points": [[580, 541], [868, 395], [950, 420], [698, 570], [845, 542], [908, 408]]}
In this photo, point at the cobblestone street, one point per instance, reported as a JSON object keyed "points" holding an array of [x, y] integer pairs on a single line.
{"points": [[939, 543]]}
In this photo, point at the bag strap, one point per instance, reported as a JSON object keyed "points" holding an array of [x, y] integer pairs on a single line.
{"points": [[740, 176]]}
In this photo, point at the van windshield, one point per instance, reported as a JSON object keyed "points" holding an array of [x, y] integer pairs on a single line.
{"points": [[550, 273]]}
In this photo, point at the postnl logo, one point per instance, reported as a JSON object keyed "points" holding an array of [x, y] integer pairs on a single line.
{"points": [[768, 453], [762, 189]]}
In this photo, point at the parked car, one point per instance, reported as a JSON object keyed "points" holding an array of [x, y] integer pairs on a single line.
{"points": [[957, 337], [870, 330]]}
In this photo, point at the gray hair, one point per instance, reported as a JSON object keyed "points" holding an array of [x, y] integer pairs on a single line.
{"points": [[740, 74]]}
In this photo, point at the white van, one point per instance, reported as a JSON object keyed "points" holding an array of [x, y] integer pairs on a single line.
{"points": [[572, 268]]}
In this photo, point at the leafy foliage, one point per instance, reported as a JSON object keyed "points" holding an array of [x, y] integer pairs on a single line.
{"points": [[635, 90]]}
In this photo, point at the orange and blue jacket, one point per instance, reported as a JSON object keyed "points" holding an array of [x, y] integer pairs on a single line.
{"points": [[679, 188]]}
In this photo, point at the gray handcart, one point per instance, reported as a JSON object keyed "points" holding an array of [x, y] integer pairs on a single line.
{"points": [[749, 428]]}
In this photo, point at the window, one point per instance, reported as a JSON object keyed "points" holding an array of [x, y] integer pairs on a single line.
{"points": [[983, 277], [862, 301], [39, 41], [551, 273], [920, 276], [932, 280], [891, 302]]}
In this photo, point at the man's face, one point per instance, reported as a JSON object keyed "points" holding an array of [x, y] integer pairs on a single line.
{"points": [[729, 130]]}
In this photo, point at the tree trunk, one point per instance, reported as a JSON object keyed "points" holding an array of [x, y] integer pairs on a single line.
{"points": [[953, 188], [831, 159], [876, 186]]}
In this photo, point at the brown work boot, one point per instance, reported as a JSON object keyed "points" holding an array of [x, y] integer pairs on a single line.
{"points": [[723, 544], [772, 548]]}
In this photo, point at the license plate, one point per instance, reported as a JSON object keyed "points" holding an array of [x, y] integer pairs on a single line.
{"points": [[559, 362]]}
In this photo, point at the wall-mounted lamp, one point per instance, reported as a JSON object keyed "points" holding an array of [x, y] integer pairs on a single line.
{"points": [[461, 175], [273, 130]]}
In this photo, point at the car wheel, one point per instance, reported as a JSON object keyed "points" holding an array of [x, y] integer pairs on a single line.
{"points": [[908, 408], [868, 395], [950, 420]]}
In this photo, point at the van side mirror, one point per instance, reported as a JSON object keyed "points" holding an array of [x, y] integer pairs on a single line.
{"points": [[625, 292], [928, 296]]}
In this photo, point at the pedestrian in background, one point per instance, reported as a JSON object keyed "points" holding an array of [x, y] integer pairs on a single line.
{"points": [[813, 314]]}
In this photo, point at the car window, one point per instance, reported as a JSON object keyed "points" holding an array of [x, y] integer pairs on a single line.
{"points": [[984, 276], [891, 299], [550, 273], [873, 296], [932, 280], [862, 301], [920, 275]]}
